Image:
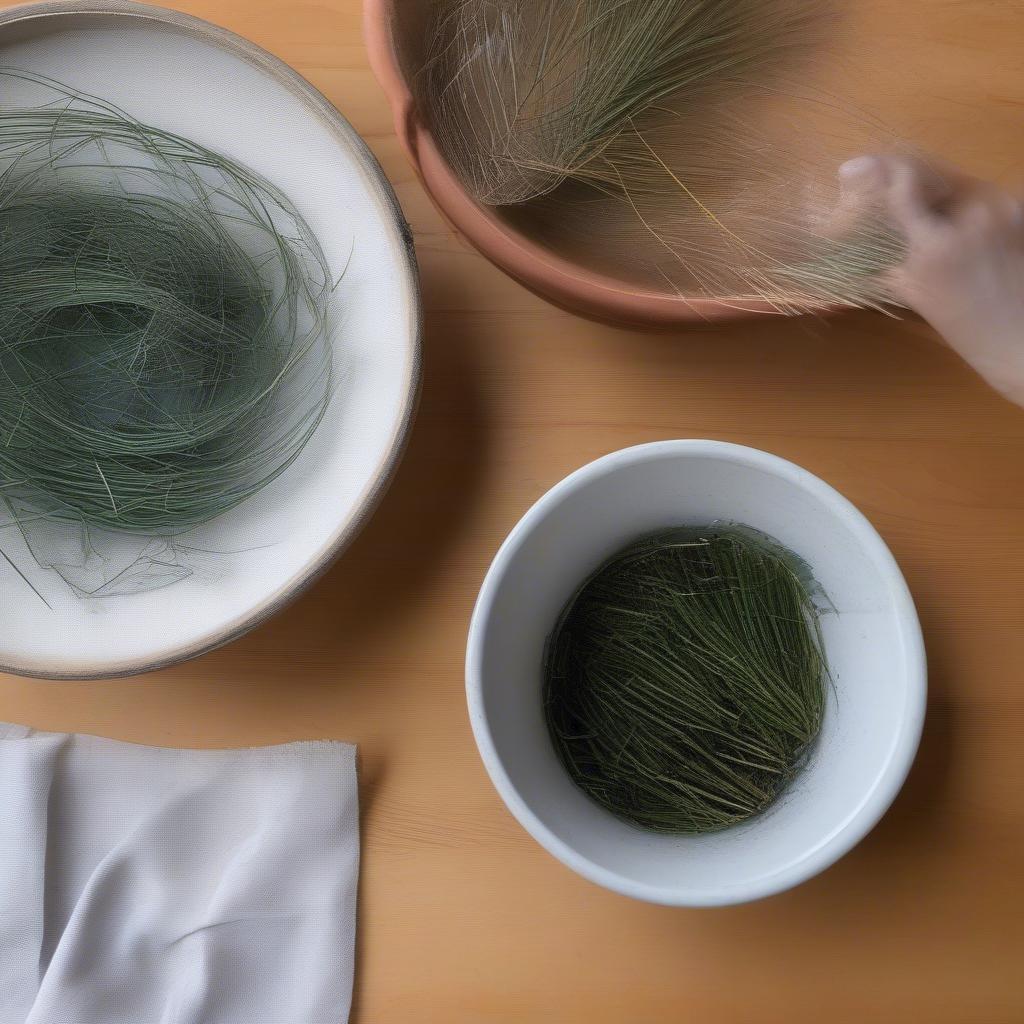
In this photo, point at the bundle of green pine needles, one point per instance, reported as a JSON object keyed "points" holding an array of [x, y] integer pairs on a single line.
{"points": [[685, 681], [674, 144], [164, 321]]}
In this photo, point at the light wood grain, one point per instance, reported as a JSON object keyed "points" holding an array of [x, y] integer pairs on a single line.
{"points": [[463, 918]]}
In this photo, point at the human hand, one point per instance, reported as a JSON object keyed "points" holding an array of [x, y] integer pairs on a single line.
{"points": [[964, 267]]}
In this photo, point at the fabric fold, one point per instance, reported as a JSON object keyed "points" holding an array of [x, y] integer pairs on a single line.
{"points": [[146, 884]]}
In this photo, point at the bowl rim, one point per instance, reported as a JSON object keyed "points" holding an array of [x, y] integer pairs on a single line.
{"points": [[538, 268], [861, 819], [335, 123]]}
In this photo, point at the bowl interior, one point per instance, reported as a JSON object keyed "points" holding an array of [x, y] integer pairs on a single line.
{"points": [[872, 643]]}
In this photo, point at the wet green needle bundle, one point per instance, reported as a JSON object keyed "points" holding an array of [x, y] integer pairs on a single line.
{"points": [[164, 328], [685, 681]]}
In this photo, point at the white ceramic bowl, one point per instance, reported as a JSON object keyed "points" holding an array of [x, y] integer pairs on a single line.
{"points": [[873, 642], [190, 77]]}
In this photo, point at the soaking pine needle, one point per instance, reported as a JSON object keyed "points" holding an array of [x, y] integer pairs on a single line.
{"points": [[164, 321], [685, 681], [673, 144], [526, 93]]}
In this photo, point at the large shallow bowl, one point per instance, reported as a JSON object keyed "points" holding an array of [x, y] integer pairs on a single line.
{"points": [[873, 642], [393, 26], [203, 82]]}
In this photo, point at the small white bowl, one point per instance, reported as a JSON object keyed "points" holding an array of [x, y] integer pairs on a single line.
{"points": [[873, 642]]}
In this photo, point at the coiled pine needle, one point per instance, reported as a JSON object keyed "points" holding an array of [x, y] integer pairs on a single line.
{"points": [[164, 325]]}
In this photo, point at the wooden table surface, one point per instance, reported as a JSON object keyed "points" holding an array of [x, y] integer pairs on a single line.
{"points": [[463, 918]]}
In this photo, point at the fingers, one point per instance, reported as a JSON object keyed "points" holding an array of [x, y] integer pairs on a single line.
{"points": [[912, 191], [989, 210], [863, 175], [1011, 209], [911, 202]]}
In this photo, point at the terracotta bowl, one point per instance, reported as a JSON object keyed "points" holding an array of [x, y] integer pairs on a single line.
{"points": [[387, 24]]}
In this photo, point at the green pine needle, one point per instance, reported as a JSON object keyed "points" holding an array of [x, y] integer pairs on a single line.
{"points": [[164, 328], [685, 682]]}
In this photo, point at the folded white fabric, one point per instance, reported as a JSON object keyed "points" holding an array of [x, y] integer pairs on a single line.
{"points": [[142, 885]]}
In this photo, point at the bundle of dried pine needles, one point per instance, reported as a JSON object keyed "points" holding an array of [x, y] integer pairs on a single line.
{"points": [[668, 142], [164, 348], [685, 681]]}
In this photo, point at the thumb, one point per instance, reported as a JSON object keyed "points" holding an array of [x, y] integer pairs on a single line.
{"points": [[909, 189], [912, 198]]}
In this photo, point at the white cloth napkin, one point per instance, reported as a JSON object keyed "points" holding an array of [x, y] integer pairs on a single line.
{"points": [[141, 885]]}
